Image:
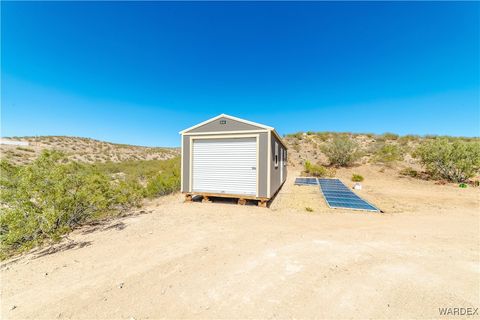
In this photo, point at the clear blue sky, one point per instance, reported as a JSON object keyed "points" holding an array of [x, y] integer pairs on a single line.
{"points": [[140, 72]]}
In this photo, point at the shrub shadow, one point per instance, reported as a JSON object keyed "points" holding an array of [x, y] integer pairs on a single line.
{"points": [[61, 247], [103, 226]]}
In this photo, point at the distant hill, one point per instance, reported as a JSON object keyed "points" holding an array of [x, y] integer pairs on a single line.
{"points": [[80, 149]]}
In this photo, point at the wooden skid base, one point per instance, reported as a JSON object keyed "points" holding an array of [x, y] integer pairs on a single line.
{"points": [[242, 200]]}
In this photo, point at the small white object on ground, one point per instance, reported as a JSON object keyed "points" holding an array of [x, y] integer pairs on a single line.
{"points": [[357, 186]]}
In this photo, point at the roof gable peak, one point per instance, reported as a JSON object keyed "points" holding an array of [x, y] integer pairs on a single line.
{"points": [[223, 115]]}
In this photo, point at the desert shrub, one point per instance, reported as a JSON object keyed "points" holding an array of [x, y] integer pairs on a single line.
{"points": [[409, 172], [47, 198], [453, 161], [357, 178], [315, 170], [388, 154], [308, 209], [164, 183], [390, 136], [342, 151], [143, 169]]}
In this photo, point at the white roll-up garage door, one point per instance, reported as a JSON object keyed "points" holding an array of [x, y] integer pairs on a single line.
{"points": [[227, 166]]}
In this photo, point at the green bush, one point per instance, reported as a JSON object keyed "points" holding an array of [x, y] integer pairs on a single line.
{"points": [[48, 198], [315, 170], [163, 183], [388, 154], [357, 178], [139, 169], [342, 151], [454, 161]]}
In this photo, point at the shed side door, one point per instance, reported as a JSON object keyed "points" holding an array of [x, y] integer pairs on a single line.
{"points": [[225, 166]]}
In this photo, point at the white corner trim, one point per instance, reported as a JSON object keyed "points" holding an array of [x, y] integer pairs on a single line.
{"points": [[269, 160], [192, 138], [190, 161], [258, 165], [279, 138], [228, 117], [181, 165]]}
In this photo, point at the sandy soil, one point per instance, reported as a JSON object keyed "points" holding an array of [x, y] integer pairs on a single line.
{"points": [[219, 260]]}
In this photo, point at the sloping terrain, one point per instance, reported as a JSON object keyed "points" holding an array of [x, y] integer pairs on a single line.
{"points": [[308, 146], [387, 151], [221, 260], [82, 150]]}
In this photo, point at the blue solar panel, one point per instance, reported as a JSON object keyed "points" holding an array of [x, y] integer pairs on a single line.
{"points": [[306, 181], [338, 195]]}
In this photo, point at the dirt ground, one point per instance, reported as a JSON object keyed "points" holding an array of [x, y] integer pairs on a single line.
{"points": [[220, 260]]}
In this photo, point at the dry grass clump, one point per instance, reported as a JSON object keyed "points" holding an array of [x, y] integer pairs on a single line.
{"points": [[357, 178]]}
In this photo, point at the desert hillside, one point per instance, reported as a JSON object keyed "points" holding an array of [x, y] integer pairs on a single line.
{"points": [[81, 149], [383, 151]]}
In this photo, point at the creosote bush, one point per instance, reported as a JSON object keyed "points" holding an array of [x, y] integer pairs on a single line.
{"points": [[48, 197], [164, 183], [455, 161], [342, 151], [315, 170], [318, 170]]}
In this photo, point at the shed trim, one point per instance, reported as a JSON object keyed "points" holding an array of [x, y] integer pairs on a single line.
{"points": [[269, 160], [279, 138], [181, 164], [228, 117], [223, 132], [257, 138]]}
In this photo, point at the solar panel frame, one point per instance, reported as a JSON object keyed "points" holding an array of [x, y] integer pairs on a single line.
{"points": [[339, 196], [306, 181]]}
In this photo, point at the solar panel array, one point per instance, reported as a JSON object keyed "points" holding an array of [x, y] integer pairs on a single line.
{"points": [[306, 182], [338, 195]]}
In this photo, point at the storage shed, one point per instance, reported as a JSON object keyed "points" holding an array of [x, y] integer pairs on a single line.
{"points": [[227, 156]]}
